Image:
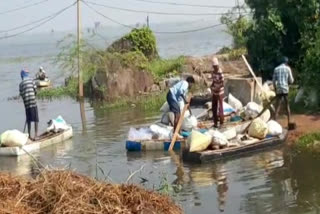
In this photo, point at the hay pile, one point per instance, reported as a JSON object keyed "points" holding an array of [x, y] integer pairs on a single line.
{"points": [[68, 192]]}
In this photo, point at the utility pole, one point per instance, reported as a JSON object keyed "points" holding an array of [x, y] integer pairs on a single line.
{"points": [[79, 47], [148, 25], [239, 9]]}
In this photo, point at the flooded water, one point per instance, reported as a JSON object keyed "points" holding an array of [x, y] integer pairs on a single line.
{"points": [[267, 182]]}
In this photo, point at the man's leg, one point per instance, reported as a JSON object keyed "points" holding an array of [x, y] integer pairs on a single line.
{"points": [[221, 112], [215, 110], [176, 120], [288, 108], [36, 130], [29, 128], [278, 106]]}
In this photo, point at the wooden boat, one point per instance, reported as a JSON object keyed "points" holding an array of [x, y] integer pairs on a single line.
{"points": [[46, 139], [207, 156], [43, 83]]}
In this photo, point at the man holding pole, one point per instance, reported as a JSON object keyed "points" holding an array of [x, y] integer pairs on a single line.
{"points": [[217, 89], [176, 93], [28, 93]]}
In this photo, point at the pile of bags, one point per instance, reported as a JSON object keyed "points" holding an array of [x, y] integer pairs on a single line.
{"points": [[57, 125], [154, 132]]}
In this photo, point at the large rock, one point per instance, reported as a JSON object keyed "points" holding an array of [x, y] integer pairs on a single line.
{"points": [[125, 82]]}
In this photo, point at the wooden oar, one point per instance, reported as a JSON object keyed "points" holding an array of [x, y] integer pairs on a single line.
{"points": [[251, 71], [174, 138]]}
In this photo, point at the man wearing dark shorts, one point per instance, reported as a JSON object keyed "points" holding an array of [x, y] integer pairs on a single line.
{"points": [[28, 93], [176, 93], [282, 77]]}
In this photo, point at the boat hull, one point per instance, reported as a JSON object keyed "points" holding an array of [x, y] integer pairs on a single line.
{"points": [[37, 145], [207, 156]]}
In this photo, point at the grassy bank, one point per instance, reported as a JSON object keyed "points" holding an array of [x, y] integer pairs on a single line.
{"points": [[151, 102], [309, 143]]}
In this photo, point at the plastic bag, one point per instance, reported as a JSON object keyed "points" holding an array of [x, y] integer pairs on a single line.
{"points": [[217, 138], [140, 134], [165, 108], [266, 116], [258, 129], [230, 133], [234, 102], [198, 142], [227, 109], [189, 123], [274, 128], [163, 133], [252, 110], [57, 125], [14, 138]]}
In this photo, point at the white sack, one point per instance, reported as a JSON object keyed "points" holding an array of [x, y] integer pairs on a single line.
{"points": [[14, 138]]}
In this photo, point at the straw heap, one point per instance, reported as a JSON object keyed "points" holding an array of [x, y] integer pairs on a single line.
{"points": [[68, 192]]}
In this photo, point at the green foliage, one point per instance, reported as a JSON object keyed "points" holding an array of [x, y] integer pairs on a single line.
{"points": [[143, 40], [309, 143], [281, 27], [133, 59], [237, 26], [70, 90], [168, 189], [146, 103], [161, 68]]}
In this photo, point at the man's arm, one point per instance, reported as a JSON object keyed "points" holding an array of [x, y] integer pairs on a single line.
{"points": [[291, 79], [274, 79]]}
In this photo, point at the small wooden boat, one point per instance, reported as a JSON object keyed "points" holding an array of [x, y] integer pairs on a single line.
{"points": [[213, 155], [46, 139], [42, 83], [153, 145]]}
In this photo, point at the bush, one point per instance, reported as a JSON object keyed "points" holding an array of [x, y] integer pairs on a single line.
{"points": [[161, 68], [309, 143]]}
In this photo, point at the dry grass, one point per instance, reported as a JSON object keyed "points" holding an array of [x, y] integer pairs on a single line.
{"points": [[66, 192]]}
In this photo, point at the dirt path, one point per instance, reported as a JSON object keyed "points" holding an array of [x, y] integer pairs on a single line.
{"points": [[305, 124]]}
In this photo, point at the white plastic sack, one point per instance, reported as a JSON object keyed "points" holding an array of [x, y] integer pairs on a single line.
{"points": [[266, 116], [198, 142], [189, 123], [258, 129], [57, 125], [165, 108], [217, 138], [140, 134], [274, 128], [234, 102], [252, 110], [13, 138], [227, 109], [230, 133], [162, 132]]}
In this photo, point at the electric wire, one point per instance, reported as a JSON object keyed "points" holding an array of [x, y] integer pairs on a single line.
{"points": [[153, 12], [40, 24], [23, 7]]}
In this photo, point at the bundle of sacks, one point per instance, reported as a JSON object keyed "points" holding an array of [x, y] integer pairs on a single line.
{"points": [[57, 125], [13, 138], [198, 142], [189, 122]]}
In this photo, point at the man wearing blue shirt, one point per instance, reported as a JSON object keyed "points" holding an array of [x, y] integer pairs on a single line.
{"points": [[176, 93]]}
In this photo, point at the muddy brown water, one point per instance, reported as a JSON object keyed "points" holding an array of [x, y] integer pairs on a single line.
{"points": [[273, 181]]}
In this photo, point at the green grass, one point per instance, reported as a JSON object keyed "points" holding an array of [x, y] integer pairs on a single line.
{"points": [[161, 68], [308, 144], [150, 102]]}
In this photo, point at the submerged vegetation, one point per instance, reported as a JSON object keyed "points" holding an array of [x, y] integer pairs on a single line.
{"points": [[309, 143]]}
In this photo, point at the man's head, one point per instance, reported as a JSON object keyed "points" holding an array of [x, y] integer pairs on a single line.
{"points": [[24, 73], [284, 60], [191, 81], [41, 69], [215, 64]]}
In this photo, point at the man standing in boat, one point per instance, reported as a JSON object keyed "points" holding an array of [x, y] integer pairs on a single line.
{"points": [[28, 93], [41, 75], [217, 90], [176, 93], [282, 77]]}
